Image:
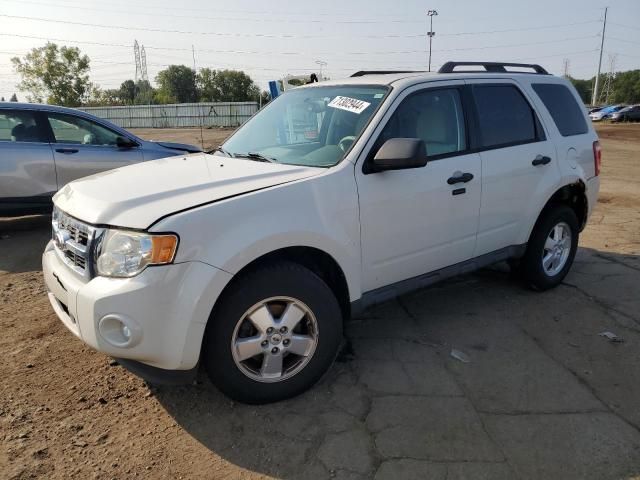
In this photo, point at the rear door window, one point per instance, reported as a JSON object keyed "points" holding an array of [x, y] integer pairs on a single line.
{"points": [[562, 106], [505, 116], [20, 126]]}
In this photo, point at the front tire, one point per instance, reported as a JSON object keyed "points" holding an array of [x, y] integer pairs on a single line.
{"points": [[551, 248], [273, 334]]}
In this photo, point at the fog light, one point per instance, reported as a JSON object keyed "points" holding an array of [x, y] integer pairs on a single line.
{"points": [[119, 331]]}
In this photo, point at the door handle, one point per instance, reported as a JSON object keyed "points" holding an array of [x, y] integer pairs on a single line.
{"points": [[540, 160], [460, 177], [67, 150]]}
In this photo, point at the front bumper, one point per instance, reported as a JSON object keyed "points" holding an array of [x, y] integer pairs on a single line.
{"points": [[165, 310]]}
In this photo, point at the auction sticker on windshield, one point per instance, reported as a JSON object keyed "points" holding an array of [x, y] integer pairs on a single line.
{"points": [[349, 104]]}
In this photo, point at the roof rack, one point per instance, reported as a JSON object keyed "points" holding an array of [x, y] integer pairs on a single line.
{"points": [[362, 73], [493, 67]]}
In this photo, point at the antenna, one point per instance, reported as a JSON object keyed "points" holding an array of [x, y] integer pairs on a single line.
{"points": [[136, 53]]}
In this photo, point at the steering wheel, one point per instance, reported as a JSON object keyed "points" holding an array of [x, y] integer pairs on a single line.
{"points": [[343, 142]]}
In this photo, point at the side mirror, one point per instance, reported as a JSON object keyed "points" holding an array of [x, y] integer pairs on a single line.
{"points": [[400, 154], [122, 142]]}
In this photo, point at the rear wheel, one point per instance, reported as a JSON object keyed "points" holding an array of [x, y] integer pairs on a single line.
{"points": [[275, 332], [551, 248]]}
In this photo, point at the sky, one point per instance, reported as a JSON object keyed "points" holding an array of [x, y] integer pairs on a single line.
{"points": [[269, 40]]}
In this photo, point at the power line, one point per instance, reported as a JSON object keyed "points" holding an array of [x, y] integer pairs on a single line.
{"points": [[218, 18], [189, 32], [543, 27], [256, 52], [275, 35]]}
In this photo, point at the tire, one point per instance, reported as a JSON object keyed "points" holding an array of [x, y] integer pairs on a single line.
{"points": [[268, 295], [533, 269]]}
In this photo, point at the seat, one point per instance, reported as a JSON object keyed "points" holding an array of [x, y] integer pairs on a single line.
{"points": [[433, 125], [18, 133]]}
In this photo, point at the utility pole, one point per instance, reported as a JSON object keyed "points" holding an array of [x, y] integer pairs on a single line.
{"points": [[594, 99], [431, 33], [565, 68], [136, 54], [609, 79]]}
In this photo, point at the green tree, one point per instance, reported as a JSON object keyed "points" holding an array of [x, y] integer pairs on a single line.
{"points": [[144, 93], [226, 86], [128, 92], [177, 83], [59, 75], [626, 87], [584, 88]]}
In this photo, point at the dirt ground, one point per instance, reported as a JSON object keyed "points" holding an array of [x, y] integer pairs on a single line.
{"points": [[542, 395]]}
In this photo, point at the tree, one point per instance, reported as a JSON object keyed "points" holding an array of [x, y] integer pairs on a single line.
{"points": [[626, 87], [226, 86], [14, 98], [128, 92], [59, 75], [584, 88], [177, 83]]}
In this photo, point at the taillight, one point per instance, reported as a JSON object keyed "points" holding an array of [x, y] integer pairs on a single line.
{"points": [[597, 156]]}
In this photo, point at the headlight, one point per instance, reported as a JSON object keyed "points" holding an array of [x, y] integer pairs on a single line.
{"points": [[122, 253]]}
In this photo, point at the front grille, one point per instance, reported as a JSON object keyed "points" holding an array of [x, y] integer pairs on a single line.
{"points": [[72, 239]]}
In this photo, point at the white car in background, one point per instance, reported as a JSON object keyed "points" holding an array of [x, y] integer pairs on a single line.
{"points": [[336, 196]]}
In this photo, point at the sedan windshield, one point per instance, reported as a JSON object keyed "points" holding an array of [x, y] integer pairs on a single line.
{"points": [[312, 126]]}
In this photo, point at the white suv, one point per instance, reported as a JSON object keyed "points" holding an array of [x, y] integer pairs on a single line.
{"points": [[334, 197]]}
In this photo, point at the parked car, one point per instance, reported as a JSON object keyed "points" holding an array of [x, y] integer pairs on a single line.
{"points": [[605, 112], [44, 147], [627, 114], [594, 109], [248, 261]]}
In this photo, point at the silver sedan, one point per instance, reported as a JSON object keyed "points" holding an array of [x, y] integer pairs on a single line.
{"points": [[44, 147]]}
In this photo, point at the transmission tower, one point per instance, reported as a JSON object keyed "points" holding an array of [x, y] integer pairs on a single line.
{"points": [[143, 64], [136, 53], [565, 68], [606, 90]]}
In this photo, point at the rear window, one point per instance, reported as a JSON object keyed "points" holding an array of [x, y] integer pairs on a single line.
{"points": [[505, 116], [562, 106], [19, 126]]}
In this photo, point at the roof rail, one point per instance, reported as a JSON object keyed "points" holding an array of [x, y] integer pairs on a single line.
{"points": [[362, 73], [493, 67]]}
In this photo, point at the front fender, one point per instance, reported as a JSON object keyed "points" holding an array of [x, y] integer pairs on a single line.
{"points": [[319, 212]]}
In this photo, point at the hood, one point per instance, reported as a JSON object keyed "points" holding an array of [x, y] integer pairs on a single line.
{"points": [[137, 195], [185, 147]]}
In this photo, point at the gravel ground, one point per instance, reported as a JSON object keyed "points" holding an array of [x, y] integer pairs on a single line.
{"points": [[542, 395]]}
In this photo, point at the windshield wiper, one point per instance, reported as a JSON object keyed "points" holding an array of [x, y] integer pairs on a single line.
{"points": [[255, 156], [219, 149]]}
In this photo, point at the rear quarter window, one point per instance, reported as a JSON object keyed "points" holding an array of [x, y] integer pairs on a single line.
{"points": [[505, 116], [562, 106]]}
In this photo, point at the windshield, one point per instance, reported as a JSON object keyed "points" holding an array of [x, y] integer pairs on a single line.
{"points": [[313, 126]]}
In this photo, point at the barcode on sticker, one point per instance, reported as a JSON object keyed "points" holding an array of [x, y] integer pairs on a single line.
{"points": [[349, 104]]}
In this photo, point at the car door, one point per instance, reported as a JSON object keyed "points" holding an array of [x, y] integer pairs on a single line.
{"points": [[83, 147], [419, 220], [519, 163], [27, 169]]}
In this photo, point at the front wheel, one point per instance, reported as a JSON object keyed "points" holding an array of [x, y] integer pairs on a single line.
{"points": [[551, 248], [275, 332]]}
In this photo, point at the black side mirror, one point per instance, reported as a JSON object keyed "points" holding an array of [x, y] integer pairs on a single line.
{"points": [[400, 154], [122, 142]]}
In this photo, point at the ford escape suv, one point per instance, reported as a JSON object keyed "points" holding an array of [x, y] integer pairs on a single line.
{"points": [[336, 196]]}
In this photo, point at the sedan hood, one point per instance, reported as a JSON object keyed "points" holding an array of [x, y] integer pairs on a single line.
{"points": [[185, 147], [137, 195]]}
